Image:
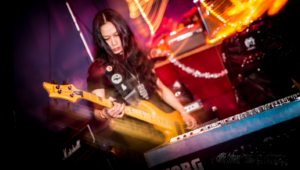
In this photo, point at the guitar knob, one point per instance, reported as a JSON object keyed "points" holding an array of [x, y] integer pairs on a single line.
{"points": [[57, 87], [64, 82], [70, 87], [72, 95], [59, 91]]}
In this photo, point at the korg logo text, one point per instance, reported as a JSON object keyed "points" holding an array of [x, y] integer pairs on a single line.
{"points": [[194, 165]]}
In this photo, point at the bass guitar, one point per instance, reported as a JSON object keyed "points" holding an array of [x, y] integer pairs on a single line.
{"points": [[170, 124]]}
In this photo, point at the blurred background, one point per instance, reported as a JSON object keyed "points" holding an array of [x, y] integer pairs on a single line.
{"points": [[227, 57]]}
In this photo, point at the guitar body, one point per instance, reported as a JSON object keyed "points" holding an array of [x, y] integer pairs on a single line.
{"points": [[177, 124]]}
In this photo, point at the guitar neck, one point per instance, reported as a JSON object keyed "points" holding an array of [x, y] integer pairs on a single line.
{"points": [[139, 114]]}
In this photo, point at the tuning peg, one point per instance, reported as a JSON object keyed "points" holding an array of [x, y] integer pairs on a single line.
{"points": [[53, 82], [55, 101], [64, 82]]}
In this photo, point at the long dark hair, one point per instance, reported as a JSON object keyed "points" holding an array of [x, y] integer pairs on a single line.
{"points": [[132, 52]]}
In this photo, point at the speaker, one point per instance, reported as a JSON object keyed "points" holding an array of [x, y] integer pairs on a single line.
{"points": [[78, 147], [260, 63], [243, 56], [186, 39]]}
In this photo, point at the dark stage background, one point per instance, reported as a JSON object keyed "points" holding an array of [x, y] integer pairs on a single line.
{"points": [[47, 47]]}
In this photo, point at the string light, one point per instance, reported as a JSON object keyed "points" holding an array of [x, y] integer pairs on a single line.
{"points": [[237, 14], [194, 72], [144, 16], [212, 11], [151, 10], [277, 5]]}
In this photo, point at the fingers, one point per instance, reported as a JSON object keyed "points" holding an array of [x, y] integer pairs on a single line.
{"points": [[117, 111], [190, 121], [100, 114], [192, 125], [111, 99], [121, 114]]}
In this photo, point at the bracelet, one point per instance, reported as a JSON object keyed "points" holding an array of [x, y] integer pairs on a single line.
{"points": [[102, 115], [184, 112], [105, 112]]}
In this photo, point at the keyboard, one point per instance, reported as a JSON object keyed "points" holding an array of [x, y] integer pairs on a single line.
{"points": [[188, 149]]}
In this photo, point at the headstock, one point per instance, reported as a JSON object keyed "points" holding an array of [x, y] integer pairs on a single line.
{"points": [[66, 92]]}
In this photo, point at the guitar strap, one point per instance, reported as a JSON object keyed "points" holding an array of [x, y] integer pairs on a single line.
{"points": [[124, 85]]}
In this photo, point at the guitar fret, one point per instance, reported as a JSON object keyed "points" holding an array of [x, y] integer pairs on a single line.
{"points": [[90, 96], [153, 119], [107, 103], [93, 97]]}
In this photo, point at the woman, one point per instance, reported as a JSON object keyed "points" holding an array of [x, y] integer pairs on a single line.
{"points": [[118, 52]]}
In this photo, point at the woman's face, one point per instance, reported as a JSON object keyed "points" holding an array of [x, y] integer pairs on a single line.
{"points": [[110, 35]]}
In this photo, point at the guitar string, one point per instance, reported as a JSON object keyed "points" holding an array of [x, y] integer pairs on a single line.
{"points": [[149, 115], [157, 117], [128, 107]]}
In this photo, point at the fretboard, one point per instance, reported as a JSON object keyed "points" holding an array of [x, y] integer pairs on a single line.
{"points": [[141, 115]]}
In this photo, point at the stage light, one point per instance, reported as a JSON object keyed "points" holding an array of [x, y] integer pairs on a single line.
{"points": [[235, 14], [172, 33], [143, 7]]}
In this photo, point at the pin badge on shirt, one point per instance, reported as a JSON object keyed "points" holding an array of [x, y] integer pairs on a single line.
{"points": [[123, 87], [116, 78], [109, 68]]}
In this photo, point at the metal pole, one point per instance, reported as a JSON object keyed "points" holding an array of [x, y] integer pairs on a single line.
{"points": [[205, 25]]}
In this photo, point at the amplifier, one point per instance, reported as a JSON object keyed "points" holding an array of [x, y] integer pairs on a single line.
{"points": [[186, 39], [78, 147], [72, 140]]}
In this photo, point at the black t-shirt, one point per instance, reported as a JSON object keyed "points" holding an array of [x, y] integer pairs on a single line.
{"points": [[98, 80]]}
